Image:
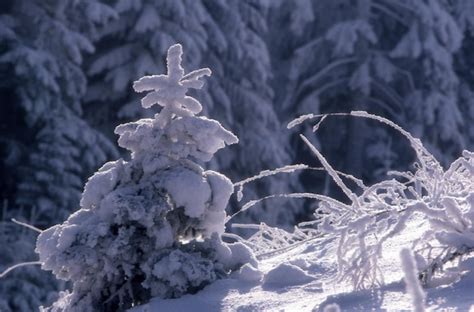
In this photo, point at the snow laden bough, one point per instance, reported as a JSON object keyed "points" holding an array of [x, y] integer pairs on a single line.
{"points": [[151, 226]]}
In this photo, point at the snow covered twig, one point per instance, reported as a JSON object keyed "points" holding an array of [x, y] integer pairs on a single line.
{"points": [[412, 283], [19, 265]]}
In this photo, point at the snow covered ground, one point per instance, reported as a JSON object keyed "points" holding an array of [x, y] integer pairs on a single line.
{"points": [[302, 279]]}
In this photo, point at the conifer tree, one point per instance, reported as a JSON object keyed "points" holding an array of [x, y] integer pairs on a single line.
{"points": [[225, 35], [149, 226], [391, 58], [46, 148], [44, 43]]}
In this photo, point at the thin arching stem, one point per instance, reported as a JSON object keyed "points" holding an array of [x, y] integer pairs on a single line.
{"points": [[19, 265]]}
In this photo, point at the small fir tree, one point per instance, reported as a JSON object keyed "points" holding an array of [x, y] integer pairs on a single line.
{"points": [[228, 36], [149, 226]]}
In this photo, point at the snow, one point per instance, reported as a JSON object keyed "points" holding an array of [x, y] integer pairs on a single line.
{"points": [[248, 273], [169, 91], [344, 36], [101, 183], [197, 192], [164, 225], [311, 285], [284, 275], [412, 283], [334, 307]]}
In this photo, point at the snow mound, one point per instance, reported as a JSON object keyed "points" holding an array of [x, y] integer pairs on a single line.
{"points": [[286, 274], [249, 273]]}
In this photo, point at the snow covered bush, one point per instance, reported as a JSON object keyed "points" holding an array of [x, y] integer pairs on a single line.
{"points": [[371, 215], [150, 226], [444, 198]]}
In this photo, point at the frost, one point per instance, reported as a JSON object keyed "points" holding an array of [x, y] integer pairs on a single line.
{"points": [[373, 56], [299, 120], [194, 199], [230, 38], [101, 183], [443, 197]]}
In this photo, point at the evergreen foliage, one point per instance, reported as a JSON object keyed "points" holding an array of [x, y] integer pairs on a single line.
{"points": [[394, 59], [43, 47]]}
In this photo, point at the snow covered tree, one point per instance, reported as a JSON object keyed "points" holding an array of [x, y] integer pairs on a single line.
{"points": [[225, 35], [43, 44], [394, 59], [46, 149], [464, 14], [149, 226]]}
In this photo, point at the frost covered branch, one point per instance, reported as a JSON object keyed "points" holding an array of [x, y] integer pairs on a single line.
{"points": [[444, 198], [19, 265], [29, 226], [440, 261]]}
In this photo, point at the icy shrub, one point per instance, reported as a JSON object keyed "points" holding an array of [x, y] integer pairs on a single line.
{"points": [[150, 226], [442, 198]]}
